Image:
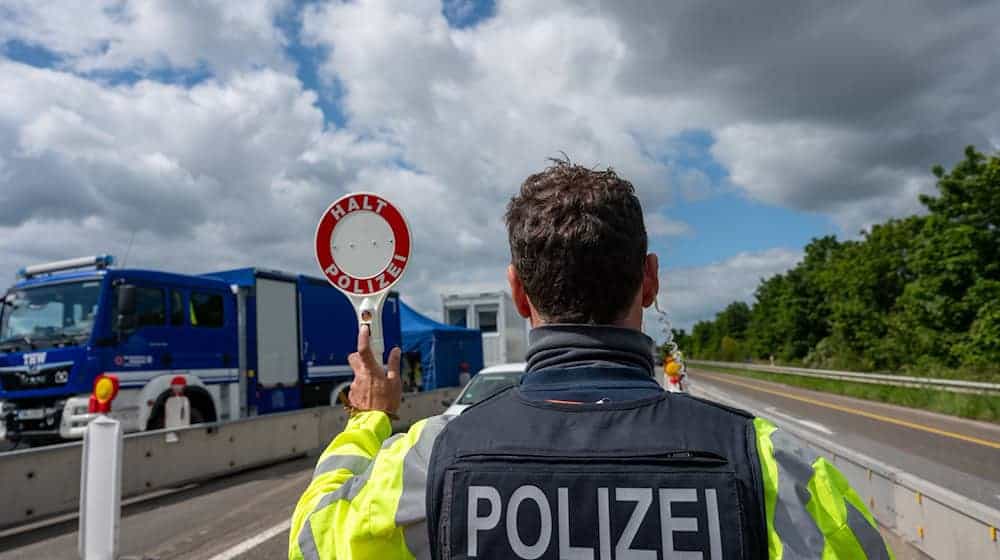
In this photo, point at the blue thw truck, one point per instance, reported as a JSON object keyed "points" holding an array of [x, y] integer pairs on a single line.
{"points": [[248, 341]]}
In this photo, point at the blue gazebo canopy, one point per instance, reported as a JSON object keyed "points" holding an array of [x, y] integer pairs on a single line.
{"points": [[442, 347]]}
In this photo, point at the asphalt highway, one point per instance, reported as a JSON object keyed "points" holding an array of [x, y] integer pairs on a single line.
{"points": [[957, 454], [240, 517]]}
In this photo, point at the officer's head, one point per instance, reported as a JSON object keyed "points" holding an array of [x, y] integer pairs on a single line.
{"points": [[578, 249]]}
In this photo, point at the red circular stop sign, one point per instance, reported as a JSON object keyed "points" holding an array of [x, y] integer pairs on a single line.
{"points": [[362, 244]]}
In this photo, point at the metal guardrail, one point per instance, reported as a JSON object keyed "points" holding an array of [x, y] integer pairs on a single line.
{"points": [[43, 482], [953, 385], [935, 520]]}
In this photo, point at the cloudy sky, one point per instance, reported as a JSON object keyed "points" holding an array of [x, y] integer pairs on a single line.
{"points": [[212, 134]]}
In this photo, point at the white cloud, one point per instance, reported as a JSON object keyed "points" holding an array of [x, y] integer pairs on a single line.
{"points": [[218, 174], [694, 293], [658, 225], [151, 156], [837, 118], [815, 168], [481, 109], [113, 35]]}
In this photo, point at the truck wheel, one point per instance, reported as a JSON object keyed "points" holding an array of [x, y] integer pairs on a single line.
{"points": [[197, 416]]}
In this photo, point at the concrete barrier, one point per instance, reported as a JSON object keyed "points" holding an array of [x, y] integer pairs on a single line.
{"points": [[38, 483], [937, 521]]}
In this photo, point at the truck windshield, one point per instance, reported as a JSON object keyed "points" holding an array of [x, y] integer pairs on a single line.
{"points": [[49, 315]]}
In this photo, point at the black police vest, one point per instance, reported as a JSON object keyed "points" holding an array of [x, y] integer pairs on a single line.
{"points": [[670, 476]]}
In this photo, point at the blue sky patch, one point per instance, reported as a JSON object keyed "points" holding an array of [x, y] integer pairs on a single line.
{"points": [[731, 223], [184, 77], [467, 13], [308, 60], [32, 55]]}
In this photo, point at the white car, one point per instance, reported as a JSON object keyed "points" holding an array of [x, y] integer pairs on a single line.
{"points": [[485, 383]]}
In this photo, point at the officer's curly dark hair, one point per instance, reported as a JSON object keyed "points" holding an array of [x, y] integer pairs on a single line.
{"points": [[578, 243]]}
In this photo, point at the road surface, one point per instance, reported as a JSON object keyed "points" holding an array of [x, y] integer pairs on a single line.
{"points": [[208, 521], [960, 455]]}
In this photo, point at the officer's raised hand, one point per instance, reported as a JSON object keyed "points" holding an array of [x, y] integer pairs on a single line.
{"points": [[374, 387]]}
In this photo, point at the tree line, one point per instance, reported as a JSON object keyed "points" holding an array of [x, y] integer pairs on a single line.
{"points": [[919, 294]]}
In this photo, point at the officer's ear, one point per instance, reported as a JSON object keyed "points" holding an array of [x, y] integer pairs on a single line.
{"points": [[650, 279], [517, 293]]}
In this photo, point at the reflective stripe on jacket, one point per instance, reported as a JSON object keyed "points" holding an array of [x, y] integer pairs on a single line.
{"points": [[368, 494]]}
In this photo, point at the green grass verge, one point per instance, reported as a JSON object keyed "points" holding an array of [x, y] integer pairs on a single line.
{"points": [[965, 405]]}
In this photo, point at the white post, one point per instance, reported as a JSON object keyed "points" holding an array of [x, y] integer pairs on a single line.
{"points": [[100, 489], [176, 412]]}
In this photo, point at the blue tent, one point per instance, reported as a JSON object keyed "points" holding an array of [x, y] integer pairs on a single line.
{"points": [[442, 347]]}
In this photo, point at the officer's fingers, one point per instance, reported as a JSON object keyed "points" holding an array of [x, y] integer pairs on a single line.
{"points": [[365, 350], [357, 364], [395, 357], [364, 338]]}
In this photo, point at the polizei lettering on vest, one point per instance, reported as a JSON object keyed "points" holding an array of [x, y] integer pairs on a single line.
{"points": [[530, 502]]}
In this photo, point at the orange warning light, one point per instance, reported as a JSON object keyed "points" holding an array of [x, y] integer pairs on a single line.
{"points": [[673, 369], [105, 390]]}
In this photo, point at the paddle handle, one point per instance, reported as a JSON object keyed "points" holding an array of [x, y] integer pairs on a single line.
{"points": [[370, 315]]}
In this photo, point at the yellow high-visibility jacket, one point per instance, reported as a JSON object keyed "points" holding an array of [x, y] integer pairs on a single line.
{"points": [[367, 498]]}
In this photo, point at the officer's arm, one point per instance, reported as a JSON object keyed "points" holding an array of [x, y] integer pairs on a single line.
{"points": [[812, 511], [367, 496], [340, 471]]}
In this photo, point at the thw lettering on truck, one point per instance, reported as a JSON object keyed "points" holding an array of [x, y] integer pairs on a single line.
{"points": [[630, 523]]}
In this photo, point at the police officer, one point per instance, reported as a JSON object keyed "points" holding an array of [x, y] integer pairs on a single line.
{"points": [[574, 462]]}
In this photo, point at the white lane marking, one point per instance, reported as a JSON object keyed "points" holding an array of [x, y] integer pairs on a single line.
{"points": [[254, 542], [74, 515], [716, 395], [770, 411], [807, 423]]}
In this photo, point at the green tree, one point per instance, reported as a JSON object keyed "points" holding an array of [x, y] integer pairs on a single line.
{"points": [[682, 339], [731, 350], [770, 324], [956, 266], [981, 350], [970, 195], [704, 343], [733, 320], [862, 283]]}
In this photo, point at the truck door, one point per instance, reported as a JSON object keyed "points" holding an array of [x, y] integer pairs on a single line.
{"points": [[278, 358], [205, 345], [143, 352]]}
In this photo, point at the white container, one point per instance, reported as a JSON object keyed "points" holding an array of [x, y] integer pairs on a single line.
{"points": [[505, 332]]}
